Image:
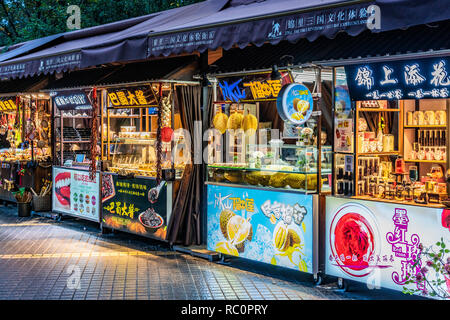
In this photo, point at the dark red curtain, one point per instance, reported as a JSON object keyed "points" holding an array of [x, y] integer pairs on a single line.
{"points": [[185, 223]]}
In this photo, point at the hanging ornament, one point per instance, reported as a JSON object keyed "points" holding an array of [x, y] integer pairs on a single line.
{"points": [[166, 134], [94, 136], [158, 139]]}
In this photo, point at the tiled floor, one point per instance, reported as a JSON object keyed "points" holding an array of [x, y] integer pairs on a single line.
{"points": [[44, 259]]}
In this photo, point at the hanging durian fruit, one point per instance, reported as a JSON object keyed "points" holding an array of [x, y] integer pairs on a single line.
{"points": [[220, 122], [250, 124], [235, 121]]}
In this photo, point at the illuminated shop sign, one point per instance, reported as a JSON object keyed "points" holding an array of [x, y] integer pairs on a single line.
{"points": [[295, 103], [132, 97], [252, 88], [71, 100], [411, 79], [7, 104]]}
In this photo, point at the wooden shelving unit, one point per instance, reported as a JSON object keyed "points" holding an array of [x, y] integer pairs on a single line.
{"points": [[357, 154], [376, 110]]}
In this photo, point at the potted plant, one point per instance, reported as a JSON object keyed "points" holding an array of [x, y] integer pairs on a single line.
{"points": [[23, 198]]}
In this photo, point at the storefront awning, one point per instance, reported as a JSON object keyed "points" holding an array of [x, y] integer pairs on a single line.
{"points": [[259, 22], [212, 24], [423, 40], [180, 68], [22, 85], [122, 41]]}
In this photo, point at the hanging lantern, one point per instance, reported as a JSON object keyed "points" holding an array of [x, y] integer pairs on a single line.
{"points": [[166, 134]]}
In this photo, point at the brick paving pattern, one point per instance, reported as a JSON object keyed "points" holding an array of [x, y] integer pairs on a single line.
{"points": [[42, 259]]}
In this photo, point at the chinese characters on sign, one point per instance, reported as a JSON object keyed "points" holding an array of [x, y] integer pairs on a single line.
{"points": [[418, 79], [132, 97], [283, 28], [127, 205], [251, 88], [49, 64], [287, 213], [7, 104], [73, 100], [402, 248], [264, 90], [121, 209]]}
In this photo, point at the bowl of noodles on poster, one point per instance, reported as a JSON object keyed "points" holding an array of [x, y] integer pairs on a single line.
{"points": [[355, 240]]}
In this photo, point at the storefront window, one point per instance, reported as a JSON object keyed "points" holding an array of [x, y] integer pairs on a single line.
{"points": [[257, 143]]}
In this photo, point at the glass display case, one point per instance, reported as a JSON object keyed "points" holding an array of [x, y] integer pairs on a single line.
{"points": [[129, 146], [290, 162], [73, 137], [285, 167]]}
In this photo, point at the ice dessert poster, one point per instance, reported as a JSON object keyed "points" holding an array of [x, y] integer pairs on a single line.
{"points": [[268, 226]]}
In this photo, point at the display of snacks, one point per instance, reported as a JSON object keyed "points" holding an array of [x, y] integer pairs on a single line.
{"points": [[426, 118], [127, 129]]}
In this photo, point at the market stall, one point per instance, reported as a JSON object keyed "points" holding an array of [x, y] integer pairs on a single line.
{"points": [[76, 184], [387, 224], [25, 147], [268, 164], [142, 165]]}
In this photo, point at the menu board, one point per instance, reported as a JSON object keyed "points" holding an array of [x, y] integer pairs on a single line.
{"points": [[74, 193], [343, 135], [385, 244], [262, 225], [135, 205]]}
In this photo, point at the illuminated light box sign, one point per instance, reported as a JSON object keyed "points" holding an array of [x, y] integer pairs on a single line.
{"points": [[295, 103], [134, 97], [137, 205], [7, 104], [385, 244], [252, 88], [261, 225], [75, 194], [397, 80], [71, 100]]}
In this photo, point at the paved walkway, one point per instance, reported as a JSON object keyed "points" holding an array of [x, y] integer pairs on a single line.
{"points": [[44, 259]]}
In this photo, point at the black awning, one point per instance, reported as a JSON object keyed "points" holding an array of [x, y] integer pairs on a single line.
{"points": [[31, 84], [122, 41], [272, 21], [159, 69], [217, 23], [424, 38]]}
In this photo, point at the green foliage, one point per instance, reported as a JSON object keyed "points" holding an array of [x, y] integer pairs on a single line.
{"points": [[432, 258], [23, 20]]}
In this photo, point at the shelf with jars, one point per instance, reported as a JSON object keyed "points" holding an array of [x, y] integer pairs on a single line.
{"points": [[400, 156]]}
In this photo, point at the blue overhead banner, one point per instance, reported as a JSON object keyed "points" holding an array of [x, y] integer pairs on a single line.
{"points": [[398, 80]]}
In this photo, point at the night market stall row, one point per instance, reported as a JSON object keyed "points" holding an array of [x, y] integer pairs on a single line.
{"points": [[373, 132], [121, 149], [384, 218]]}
